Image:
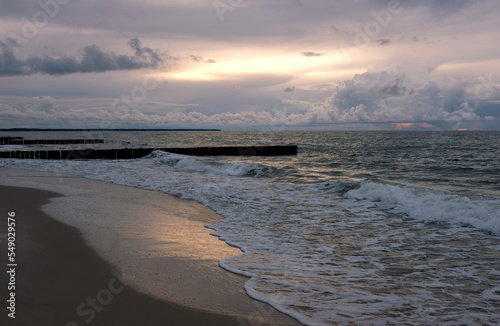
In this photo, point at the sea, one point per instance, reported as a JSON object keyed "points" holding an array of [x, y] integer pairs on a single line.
{"points": [[359, 228]]}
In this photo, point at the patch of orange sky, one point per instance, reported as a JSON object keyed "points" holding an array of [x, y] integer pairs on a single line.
{"points": [[402, 125]]}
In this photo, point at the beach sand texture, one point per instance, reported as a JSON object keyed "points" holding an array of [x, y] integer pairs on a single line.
{"points": [[104, 254]]}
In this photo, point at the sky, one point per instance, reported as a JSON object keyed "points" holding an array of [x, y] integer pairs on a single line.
{"points": [[250, 65]]}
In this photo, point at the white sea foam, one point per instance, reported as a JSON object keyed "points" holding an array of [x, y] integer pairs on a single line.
{"points": [[432, 205], [10, 148], [341, 252], [220, 168]]}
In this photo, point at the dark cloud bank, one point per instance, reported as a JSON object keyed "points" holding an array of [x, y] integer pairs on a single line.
{"points": [[92, 59]]}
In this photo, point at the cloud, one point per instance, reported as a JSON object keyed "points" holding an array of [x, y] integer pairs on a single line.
{"points": [[384, 41], [366, 98], [289, 89], [92, 59], [394, 88], [389, 96], [39, 112], [440, 9], [312, 54], [198, 58], [145, 55]]}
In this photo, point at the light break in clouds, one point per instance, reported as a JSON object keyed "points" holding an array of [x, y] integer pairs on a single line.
{"points": [[250, 65]]}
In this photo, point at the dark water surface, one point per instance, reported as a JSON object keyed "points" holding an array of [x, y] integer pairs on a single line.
{"points": [[368, 228]]}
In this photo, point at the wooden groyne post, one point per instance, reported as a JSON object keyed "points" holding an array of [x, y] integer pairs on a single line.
{"points": [[132, 153], [21, 141]]}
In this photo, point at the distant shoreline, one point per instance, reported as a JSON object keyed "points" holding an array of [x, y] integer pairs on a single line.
{"points": [[97, 129]]}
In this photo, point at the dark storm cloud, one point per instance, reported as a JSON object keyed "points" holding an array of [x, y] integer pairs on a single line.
{"points": [[146, 55], [9, 64], [194, 28], [92, 60]]}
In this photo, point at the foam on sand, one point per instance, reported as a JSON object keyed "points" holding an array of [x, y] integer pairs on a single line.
{"points": [[156, 241]]}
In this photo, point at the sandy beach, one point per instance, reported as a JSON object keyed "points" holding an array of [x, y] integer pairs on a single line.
{"points": [[68, 276]]}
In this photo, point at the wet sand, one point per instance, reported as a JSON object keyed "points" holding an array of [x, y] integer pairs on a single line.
{"points": [[61, 280]]}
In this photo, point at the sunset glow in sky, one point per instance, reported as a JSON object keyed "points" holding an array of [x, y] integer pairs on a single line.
{"points": [[250, 64]]}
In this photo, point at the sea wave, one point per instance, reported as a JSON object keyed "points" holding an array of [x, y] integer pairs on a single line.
{"points": [[322, 252], [431, 205], [221, 168], [10, 148]]}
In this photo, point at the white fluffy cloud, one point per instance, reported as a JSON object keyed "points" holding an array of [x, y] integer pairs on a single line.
{"points": [[389, 96], [258, 66], [371, 97], [48, 112]]}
